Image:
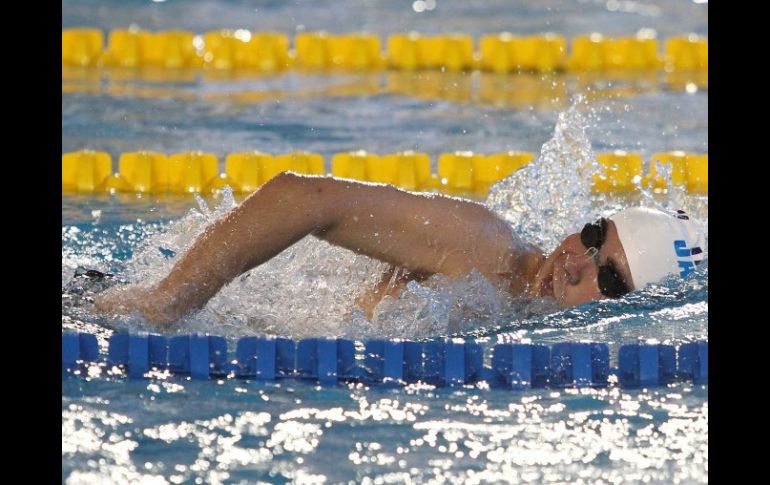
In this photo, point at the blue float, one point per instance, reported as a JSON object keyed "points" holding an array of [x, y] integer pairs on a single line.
{"points": [[520, 366], [326, 360], [463, 361], [646, 365], [694, 362], [78, 347], [580, 365], [392, 362], [394, 358], [265, 358], [138, 356], [433, 359], [138, 353], [440, 363], [200, 356], [158, 349]]}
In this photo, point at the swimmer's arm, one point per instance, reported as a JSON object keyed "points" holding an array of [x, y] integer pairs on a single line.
{"points": [[421, 233]]}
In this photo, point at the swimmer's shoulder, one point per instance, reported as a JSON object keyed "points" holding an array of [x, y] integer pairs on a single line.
{"points": [[524, 266]]}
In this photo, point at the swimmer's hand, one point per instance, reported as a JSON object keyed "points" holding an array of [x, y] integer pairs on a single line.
{"points": [[148, 303]]}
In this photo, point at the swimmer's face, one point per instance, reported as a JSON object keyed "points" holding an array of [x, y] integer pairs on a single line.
{"points": [[570, 275]]}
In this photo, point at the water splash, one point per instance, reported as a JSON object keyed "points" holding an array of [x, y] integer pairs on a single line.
{"points": [[545, 201], [310, 289], [550, 197]]}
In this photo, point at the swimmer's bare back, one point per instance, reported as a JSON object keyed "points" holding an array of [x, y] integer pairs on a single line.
{"points": [[422, 233]]}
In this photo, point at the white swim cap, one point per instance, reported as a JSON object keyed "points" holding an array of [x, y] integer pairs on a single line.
{"points": [[658, 244]]}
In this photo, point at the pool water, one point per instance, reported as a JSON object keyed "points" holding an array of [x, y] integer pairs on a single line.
{"points": [[171, 430]]}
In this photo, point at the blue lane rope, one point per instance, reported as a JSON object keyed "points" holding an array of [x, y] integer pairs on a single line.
{"points": [[442, 363]]}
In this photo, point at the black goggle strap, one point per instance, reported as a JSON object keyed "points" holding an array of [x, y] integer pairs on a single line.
{"points": [[610, 281], [594, 234]]}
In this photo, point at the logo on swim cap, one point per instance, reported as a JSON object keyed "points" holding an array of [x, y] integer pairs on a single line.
{"points": [[694, 257], [658, 244]]}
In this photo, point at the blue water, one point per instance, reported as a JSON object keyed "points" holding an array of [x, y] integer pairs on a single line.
{"points": [[170, 430]]}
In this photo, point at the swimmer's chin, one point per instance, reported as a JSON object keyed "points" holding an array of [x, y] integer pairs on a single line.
{"points": [[543, 291]]}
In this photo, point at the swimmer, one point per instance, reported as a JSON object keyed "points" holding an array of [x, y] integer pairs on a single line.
{"points": [[423, 234]]}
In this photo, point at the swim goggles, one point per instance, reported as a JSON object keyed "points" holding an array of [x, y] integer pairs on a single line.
{"points": [[611, 283]]}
